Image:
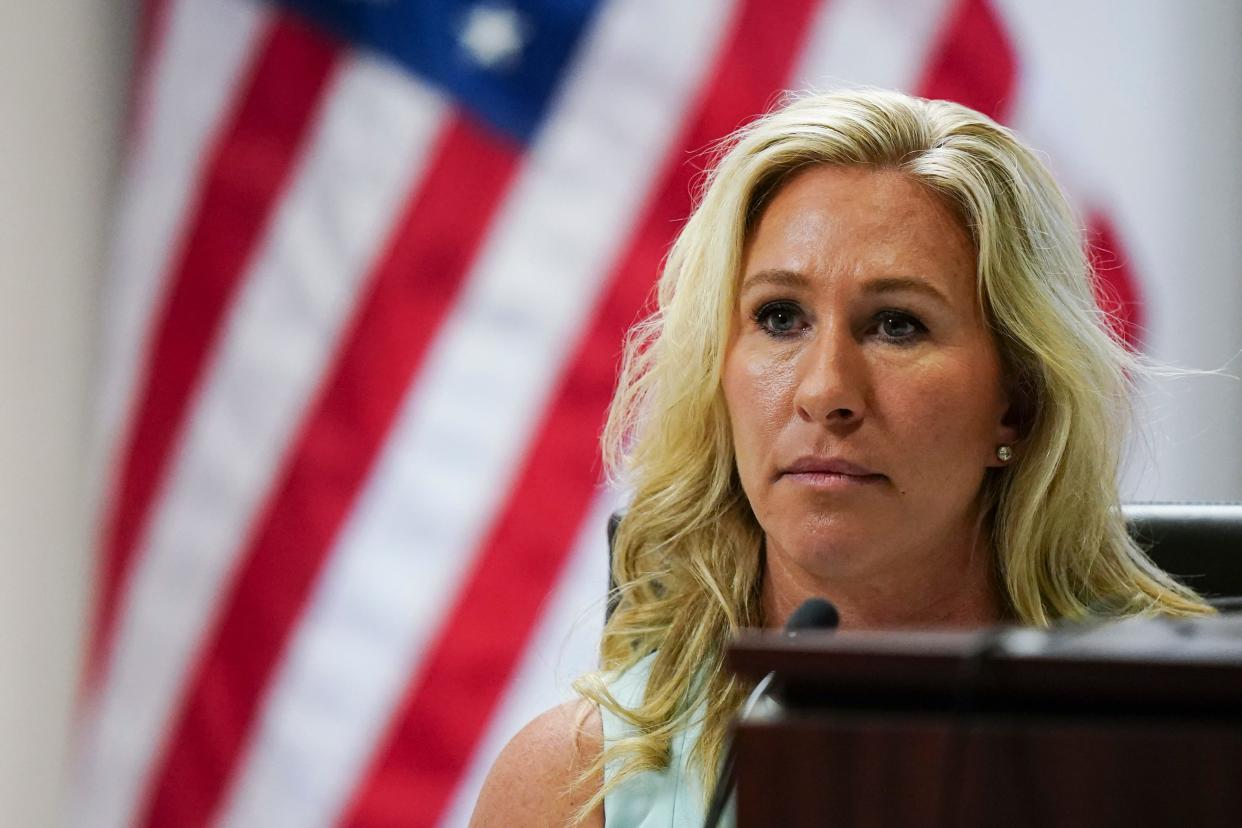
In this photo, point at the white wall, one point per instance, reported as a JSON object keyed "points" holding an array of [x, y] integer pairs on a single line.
{"points": [[1140, 106], [63, 67]]}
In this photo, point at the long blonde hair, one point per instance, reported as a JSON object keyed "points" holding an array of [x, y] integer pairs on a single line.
{"points": [[687, 557]]}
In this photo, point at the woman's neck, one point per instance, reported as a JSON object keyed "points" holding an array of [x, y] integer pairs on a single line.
{"points": [[950, 597]]}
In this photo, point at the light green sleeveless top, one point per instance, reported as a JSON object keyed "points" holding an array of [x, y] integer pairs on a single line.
{"points": [[671, 798]]}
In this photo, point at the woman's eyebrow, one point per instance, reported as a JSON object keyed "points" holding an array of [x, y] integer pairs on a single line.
{"points": [[775, 276], [887, 284], [897, 284]]}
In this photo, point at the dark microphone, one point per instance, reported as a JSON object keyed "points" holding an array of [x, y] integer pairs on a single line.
{"points": [[811, 614]]}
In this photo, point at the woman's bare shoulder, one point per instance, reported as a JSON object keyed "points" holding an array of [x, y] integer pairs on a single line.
{"points": [[533, 780]]}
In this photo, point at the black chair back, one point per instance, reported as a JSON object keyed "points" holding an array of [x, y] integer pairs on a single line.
{"points": [[1198, 543]]}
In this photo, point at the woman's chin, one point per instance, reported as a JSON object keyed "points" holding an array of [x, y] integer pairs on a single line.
{"points": [[828, 549]]}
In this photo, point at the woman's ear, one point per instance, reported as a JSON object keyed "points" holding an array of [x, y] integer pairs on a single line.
{"points": [[1014, 423], [1007, 435]]}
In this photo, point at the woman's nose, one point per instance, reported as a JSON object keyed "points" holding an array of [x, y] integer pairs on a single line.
{"points": [[831, 379]]}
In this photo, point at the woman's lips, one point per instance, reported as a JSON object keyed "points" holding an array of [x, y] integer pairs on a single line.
{"points": [[833, 481], [830, 473]]}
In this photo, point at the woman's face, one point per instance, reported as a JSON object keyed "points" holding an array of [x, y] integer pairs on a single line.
{"points": [[863, 385]]}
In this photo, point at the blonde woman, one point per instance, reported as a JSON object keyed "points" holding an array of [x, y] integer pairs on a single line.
{"points": [[877, 374]]}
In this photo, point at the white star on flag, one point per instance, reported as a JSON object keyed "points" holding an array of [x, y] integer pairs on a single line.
{"points": [[493, 35]]}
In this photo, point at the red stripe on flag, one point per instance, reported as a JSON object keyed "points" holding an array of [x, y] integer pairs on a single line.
{"points": [[406, 299], [974, 62], [1116, 287], [457, 687], [154, 14], [152, 28], [249, 163]]}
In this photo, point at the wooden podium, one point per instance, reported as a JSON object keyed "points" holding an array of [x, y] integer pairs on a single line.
{"points": [[1130, 724]]}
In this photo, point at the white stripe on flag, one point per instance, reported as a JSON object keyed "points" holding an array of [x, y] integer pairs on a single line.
{"points": [[368, 146], [870, 43], [449, 462], [565, 644], [193, 82]]}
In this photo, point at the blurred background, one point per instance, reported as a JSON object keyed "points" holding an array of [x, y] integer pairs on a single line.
{"points": [[311, 311]]}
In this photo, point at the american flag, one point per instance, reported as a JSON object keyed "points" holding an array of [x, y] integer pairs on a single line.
{"points": [[373, 262]]}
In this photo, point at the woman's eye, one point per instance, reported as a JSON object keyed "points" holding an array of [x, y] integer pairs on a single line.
{"points": [[899, 326], [779, 318]]}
